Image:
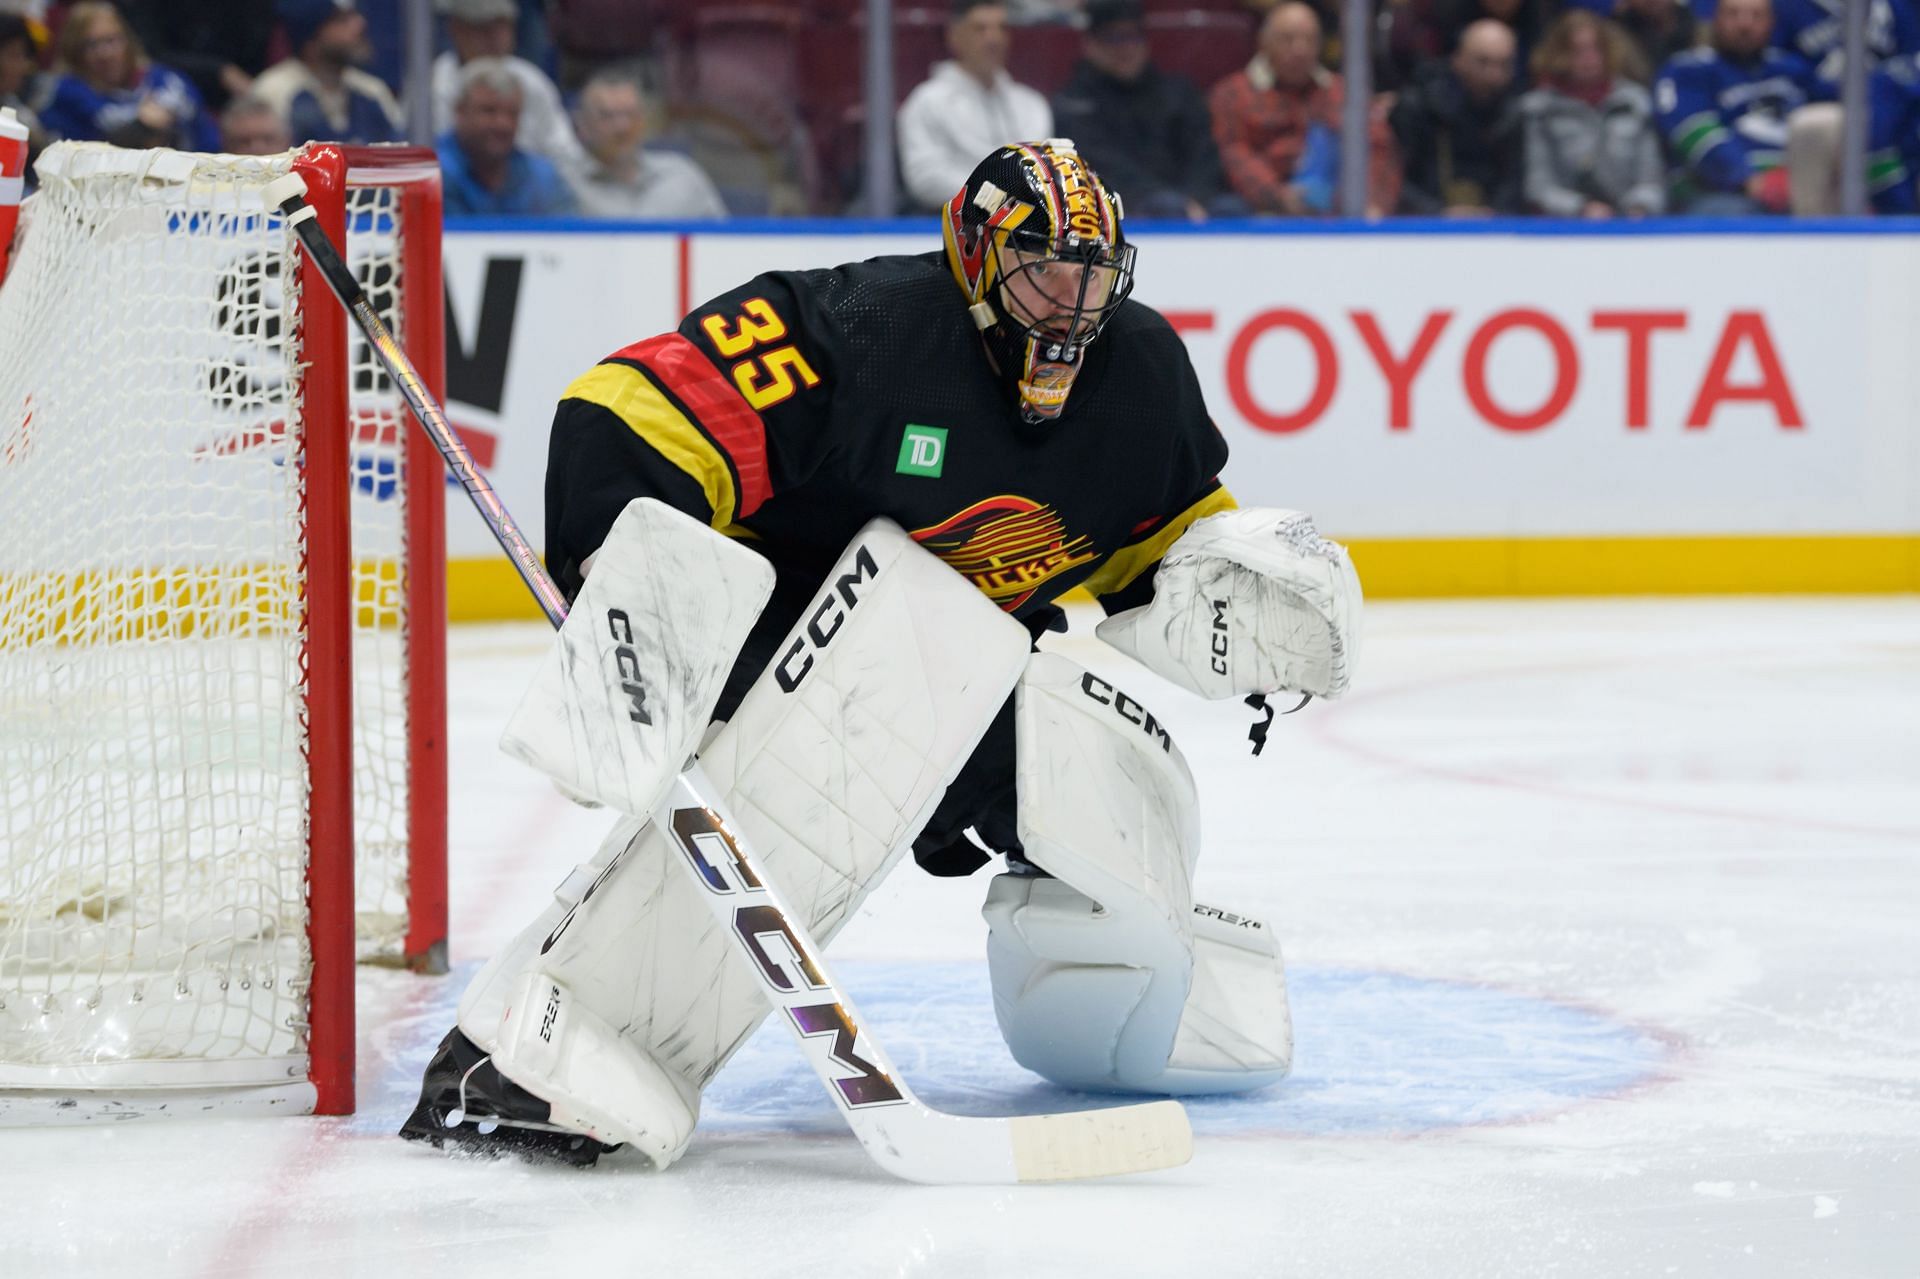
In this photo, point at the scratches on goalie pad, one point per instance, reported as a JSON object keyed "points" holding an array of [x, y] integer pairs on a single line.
{"points": [[833, 761], [621, 699]]}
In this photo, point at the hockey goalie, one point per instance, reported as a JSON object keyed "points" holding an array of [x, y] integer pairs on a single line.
{"points": [[881, 477]]}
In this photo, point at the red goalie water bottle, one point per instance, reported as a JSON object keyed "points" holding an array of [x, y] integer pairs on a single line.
{"points": [[13, 177]]}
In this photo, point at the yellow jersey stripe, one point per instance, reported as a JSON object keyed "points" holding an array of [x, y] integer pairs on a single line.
{"points": [[631, 396], [1127, 563]]}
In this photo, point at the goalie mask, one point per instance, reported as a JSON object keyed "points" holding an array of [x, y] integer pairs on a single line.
{"points": [[1034, 239]]}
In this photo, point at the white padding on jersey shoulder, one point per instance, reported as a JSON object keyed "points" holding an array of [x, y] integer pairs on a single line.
{"points": [[834, 760], [1248, 601], [1105, 976], [621, 699]]}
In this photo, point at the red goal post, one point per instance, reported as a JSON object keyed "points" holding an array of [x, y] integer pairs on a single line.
{"points": [[413, 173], [222, 702]]}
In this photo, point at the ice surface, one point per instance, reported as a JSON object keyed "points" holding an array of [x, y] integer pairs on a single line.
{"points": [[1601, 919]]}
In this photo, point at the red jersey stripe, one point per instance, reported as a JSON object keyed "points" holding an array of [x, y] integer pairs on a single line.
{"points": [[685, 371]]}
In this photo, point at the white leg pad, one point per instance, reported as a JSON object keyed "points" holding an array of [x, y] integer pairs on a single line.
{"points": [[1236, 1031], [556, 1047], [1105, 977], [834, 760]]}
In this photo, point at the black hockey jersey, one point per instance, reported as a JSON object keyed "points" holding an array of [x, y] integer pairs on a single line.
{"points": [[796, 408]]}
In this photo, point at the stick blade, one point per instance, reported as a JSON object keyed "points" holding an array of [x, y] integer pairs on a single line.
{"points": [[1101, 1143]]}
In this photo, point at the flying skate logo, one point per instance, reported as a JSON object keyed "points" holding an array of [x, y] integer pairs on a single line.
{"points": [[627, 663], [1006, 546]]}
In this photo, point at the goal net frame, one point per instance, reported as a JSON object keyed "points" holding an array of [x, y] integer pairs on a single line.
{"points": [[327, 417]]}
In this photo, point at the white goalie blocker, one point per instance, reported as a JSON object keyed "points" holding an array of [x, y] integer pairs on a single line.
{"points": [[1109, 976], [620, 1002], [1248, 601]]}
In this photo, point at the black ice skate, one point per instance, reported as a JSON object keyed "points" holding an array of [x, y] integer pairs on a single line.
{"points": [[465, 1102]]}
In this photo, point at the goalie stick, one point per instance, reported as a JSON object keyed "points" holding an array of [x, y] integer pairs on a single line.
{"points": [[899, 1132]]}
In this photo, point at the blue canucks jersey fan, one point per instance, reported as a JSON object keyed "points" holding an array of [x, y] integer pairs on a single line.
{"points": [[1726, 111], [1816, 30], [1893, 135]]}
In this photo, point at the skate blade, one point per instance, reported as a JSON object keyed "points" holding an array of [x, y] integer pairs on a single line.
{"points": [[503, 1138]]}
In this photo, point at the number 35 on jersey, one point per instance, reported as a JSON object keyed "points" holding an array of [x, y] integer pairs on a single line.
{"points": [[766, 374]]}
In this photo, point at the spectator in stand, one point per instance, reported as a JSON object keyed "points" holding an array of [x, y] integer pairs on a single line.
{"points": [[322, 92], [1146, 133], [615, 177], [1816, 30], [108, 91], [1893, 136], [967, 107], [1458, 126], [1525, 18], [1659, 29], [482, 172], [1027, 13], [1278, 124], [589, 34], [485, 29], [1415, 32], [1591, 147], [19, 70], [1726, 110], [250, 126], [221, 45]]}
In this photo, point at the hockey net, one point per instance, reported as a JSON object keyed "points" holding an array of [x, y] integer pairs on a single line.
{"points": [[221, 609]]}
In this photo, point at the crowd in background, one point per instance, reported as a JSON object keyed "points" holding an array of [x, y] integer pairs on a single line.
{"points": [[1191, 109]]}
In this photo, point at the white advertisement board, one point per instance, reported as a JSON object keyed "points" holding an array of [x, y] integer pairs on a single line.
{"points": [[1398, 386]]}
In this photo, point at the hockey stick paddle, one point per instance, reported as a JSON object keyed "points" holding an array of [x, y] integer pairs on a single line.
{"points": [[900, 1132]]}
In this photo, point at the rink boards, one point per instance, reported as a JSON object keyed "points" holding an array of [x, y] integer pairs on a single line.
{"points": [[1502, 412]]}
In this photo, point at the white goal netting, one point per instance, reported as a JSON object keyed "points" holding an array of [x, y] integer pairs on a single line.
{"points": [[154, 769]]}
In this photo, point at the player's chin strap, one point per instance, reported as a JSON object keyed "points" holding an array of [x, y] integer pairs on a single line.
{"points": [[1258, 733]]}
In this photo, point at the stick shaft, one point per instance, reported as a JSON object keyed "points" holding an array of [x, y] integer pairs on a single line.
{"points": [[432, 418]]}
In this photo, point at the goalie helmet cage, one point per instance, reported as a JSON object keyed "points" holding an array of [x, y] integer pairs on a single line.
{"points": [[222, 681]]}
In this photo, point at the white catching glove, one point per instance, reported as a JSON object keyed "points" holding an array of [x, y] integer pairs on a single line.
{"points": [[1248, 601]]}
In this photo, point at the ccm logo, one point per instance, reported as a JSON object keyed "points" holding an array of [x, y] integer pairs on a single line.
{"points": [[783, 963], [1129, 710], [1219, 659], [824, 622], [628, 664]]}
